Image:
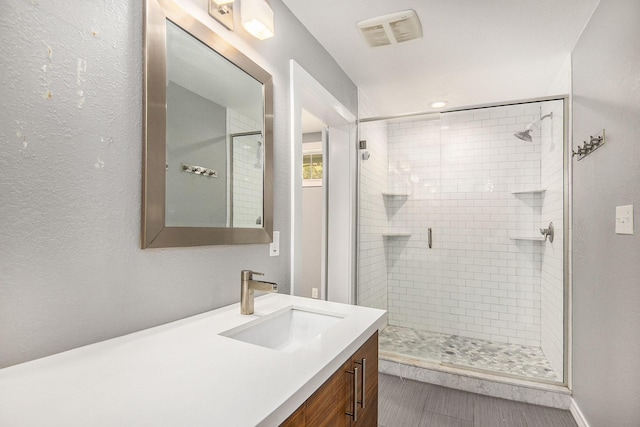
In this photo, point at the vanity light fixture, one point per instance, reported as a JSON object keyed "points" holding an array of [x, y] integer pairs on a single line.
{"points": [[222, 11], [257, 18]]}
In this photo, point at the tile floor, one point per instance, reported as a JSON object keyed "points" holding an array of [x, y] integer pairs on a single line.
{"points": [[407, 403], [511, 359]]}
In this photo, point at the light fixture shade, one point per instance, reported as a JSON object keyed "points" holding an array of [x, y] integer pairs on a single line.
{"points": [[257, 18]]}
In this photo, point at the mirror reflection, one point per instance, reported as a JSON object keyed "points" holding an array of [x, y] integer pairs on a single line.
{"points": [[208, 149], [214, 149]]}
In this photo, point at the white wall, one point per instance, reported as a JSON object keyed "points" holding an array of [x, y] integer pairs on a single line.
{"points": [[71, 270], [606, 267], [372, 218], [340, 172]]}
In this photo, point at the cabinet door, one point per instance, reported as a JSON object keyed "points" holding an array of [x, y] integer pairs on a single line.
{"points": [[366, 359], [330, 405], [327, 406]]}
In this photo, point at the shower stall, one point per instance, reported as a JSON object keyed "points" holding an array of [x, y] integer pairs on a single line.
{"points": [[246, 177], [461, 237]]}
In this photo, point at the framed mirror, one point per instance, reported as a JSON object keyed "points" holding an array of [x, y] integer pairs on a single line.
{"points": [[208, 137]]}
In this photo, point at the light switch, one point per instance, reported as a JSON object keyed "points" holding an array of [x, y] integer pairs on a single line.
{"points": [[624, 219], [274, 247]]}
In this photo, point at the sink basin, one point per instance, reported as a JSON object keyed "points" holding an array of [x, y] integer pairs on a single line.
{"points": [[285, 330]]}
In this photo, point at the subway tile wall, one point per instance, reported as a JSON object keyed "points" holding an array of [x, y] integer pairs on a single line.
{"points": [[248, 172], [460, 173], [372, 219]]}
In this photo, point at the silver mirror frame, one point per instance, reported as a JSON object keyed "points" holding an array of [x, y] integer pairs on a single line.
{"points": [[154, 233]]}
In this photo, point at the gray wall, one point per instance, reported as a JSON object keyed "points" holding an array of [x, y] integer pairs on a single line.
{"points": [[312, 227], [606, 266], [196, 135], [71, 271], [312, 217]]}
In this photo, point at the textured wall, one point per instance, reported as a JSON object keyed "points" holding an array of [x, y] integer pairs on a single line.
{"points": [[71, 270], [606, 271]]}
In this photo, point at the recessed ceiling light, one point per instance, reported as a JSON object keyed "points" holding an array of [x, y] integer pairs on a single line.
{"points": [[439, 104]]}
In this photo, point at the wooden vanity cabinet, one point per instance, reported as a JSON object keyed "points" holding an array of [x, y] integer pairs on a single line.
{"points": [[367, 416], [327, 406], [332, 405]]}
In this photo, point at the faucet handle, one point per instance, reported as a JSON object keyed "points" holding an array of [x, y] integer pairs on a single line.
{"points": [[248, 274]]}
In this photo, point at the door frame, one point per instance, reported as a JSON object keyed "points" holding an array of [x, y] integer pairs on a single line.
{"points": [[306, 92]]}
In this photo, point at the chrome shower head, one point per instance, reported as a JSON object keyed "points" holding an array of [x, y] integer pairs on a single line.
{"points": [[524, 135]]}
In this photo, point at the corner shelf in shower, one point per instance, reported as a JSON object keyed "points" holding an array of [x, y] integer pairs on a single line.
{"points": [[531, 238], [530, 191], [394, 195]]}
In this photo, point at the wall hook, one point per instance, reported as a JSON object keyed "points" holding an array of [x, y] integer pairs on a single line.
{"points": [[587, 148], [199, 170]]}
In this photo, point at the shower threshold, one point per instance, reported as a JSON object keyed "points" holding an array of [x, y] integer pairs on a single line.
{"points": [[510, 360]]}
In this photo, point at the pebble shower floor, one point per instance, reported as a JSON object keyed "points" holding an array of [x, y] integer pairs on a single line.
{"points": [[510, 359]]}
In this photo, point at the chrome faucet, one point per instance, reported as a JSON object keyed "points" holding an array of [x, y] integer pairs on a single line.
{"points": [[248, 286]]}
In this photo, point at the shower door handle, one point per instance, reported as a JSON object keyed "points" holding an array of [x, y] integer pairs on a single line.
{"points": [[430, 238]]}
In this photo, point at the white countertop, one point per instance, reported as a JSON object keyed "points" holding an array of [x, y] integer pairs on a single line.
{"points": [[183, 373]]}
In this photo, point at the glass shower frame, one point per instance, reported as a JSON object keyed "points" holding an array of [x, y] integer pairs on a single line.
{"points": [[394, 196]]}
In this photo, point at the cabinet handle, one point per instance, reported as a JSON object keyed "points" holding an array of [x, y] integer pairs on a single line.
{"points": [[363, 389], [430, 238], [354, 414]]}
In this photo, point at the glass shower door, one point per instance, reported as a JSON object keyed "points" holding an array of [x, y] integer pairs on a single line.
{"points": [[506, 281], [467, 278], [399, 267]]}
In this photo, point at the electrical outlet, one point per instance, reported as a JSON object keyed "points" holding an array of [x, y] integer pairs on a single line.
{"points": [[314, 293]]}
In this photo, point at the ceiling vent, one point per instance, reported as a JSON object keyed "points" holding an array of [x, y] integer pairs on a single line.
{"points": [[391, 29]]}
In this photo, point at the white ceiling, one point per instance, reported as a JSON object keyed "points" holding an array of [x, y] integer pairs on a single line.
{"points": [[472, 52], [199, 69]]}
